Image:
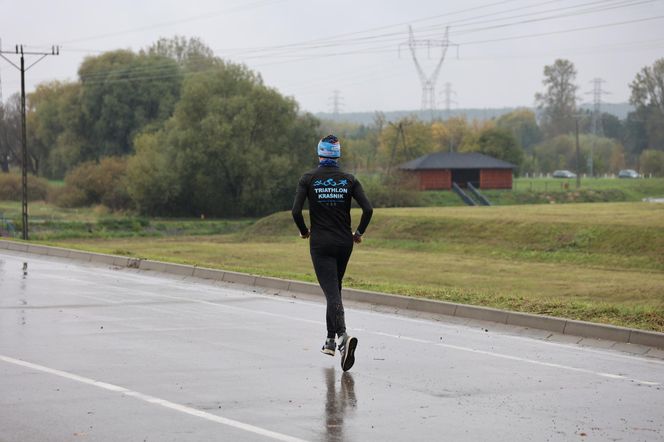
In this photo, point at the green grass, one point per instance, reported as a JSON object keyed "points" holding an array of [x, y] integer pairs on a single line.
{"points": [[557, 191], [51, 223], [596, 262]]}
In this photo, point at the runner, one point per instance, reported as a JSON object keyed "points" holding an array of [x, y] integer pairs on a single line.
{"points": [[330, 190]]}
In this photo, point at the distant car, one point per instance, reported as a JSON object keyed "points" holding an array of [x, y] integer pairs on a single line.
{"points": [[563, 174], [628, 173]]}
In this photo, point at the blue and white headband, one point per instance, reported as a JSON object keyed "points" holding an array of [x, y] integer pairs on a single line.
{"points": [[329, 147]]}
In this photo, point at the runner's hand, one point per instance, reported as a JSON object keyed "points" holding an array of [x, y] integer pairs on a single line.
{"points": [[305, 236], [357, 238]]}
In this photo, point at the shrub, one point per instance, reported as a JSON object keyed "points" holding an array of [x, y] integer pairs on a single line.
{"points": [[652, 162], [97, 183], [10, 187], [68, 197], [396, 191]]}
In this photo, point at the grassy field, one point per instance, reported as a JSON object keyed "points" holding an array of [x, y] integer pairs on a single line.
{"points": [[551, 191], [598, 262]]}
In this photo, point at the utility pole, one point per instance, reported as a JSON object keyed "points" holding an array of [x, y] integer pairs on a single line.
{"points": [[428, 81], [55, 50], [597, 128], [336, 102], [578, 155]]}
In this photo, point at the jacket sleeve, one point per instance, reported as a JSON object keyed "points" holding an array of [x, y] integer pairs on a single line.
{"points": [[298, 204], [363, 201]]}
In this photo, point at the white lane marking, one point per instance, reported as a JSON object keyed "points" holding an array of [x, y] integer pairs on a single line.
{"points": [[531, 340], [154, 400], [517, 358], [450, 346]]}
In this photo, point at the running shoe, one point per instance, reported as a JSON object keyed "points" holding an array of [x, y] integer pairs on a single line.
{"points": [[328, 347], [347, 349]]}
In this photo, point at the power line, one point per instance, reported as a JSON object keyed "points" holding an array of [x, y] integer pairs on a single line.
{"points": [[374, 49], [205, 16], [392, 36], [564, 31]]}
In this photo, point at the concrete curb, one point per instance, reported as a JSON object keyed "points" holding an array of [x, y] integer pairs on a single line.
{"points": [[557, 325]]}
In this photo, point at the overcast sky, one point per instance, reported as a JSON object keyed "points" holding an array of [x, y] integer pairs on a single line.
{"points": [[309, 48]]}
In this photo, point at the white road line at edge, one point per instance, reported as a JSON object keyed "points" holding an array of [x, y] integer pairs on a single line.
{"points": [[517, 358], [154, 400]]}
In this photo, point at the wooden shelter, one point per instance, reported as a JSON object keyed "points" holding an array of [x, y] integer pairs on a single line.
{"points": [[437, 171]]}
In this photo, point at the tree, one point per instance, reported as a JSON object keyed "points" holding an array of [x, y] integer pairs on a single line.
{"points": [[648, 99], [522, 124], [608, 155], [403, 141], [10, 133], [191, 54], [122, 92], [556, 153], [233, 147], [499, 143], [612, 127], [449, 135], [55, 127], [652, 162], [636, 135], [152, 179], [558, 102]]}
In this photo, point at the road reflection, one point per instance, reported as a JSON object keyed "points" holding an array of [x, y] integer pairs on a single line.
{"points": [[337, 404]]}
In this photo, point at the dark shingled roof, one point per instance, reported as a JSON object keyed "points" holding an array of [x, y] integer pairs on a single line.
{"points": [[455, 160]]}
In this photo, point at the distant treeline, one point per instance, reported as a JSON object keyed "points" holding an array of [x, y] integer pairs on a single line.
{"points": [[620, 110]]}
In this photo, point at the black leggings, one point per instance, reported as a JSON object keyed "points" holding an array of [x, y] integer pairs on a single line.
{"points": [[330, 265]]}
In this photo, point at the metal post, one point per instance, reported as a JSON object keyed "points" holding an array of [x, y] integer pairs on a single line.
{"points": [[578, 156]]}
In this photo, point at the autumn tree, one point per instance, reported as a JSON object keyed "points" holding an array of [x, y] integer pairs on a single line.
{"points": [[403, 141]]}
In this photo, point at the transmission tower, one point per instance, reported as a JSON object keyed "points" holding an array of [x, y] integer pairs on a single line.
{"points": [[428, 81], [597, 93], [597, 128], [336, 102], [448, 92]]}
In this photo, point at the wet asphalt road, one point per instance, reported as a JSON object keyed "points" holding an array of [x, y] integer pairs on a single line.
{"points": [[98, 354]]}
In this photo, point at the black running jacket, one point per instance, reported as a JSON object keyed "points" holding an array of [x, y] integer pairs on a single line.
{"points": [[330, 191]]}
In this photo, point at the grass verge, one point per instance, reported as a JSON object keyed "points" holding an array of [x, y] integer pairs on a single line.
{"points": [[594, 262]]}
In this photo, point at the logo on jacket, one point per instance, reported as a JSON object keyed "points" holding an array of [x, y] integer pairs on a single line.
{"points": [[330, 190], [330, 183]]}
